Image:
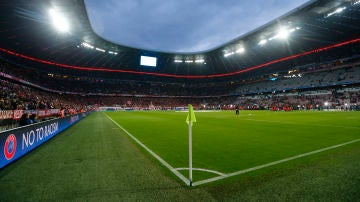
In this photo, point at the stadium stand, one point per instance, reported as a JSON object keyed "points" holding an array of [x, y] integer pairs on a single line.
{"points": [[305, 75], [334, 83]]}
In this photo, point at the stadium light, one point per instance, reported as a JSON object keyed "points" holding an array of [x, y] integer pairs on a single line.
{"points": [[99, 49], [87, 45], [59, 21], [262, 42], [113, 53], [178, 61], [228, 54], [283, 33], [199, 61], [338, 10], [240, 50]]}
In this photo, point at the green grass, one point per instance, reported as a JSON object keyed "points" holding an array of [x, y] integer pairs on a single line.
{"points": [[226, 143], [95, 160]]}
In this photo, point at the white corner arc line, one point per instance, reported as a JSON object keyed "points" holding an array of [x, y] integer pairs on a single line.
{"points": [[205, 170], [272, 163], [162, 161]]}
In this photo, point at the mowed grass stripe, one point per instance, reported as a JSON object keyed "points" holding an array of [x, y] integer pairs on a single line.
{"points": [[226, 143]]}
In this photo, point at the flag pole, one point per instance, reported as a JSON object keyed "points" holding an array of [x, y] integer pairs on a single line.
{"points": [[190, 119], [190, 152]]}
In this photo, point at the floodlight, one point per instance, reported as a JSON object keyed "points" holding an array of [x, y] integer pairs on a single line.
{"points": [[263, 42], [240, 50], [87, 45], [283, 34], [228, 54], [99, 49], [113, 53], [59, 21], [199, 61], [338, 10]]}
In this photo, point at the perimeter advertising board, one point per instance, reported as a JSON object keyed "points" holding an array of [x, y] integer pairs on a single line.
{"points": [[18, 142]]}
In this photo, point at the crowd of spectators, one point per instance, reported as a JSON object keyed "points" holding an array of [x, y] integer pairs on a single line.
{"points": [[19, 97], [298, 80], [342, 99]]}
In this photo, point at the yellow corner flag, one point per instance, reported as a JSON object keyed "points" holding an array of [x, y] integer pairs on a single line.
{"points": [[190, 120], [191, 115]]}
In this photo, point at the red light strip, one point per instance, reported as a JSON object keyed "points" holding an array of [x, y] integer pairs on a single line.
{"points": [[182, 76]]}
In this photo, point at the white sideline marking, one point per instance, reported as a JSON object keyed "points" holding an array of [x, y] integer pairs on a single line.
{"points": [[162, 161], [205, 170], [272, 163]]}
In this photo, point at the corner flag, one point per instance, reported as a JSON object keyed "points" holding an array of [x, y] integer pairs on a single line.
{"points": [[190, 120], [191, 115]]}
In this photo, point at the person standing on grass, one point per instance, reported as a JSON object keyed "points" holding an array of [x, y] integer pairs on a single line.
{"points": [[237, 110]]}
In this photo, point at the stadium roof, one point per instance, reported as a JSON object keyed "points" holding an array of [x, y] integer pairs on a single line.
{"points": [[28, 32], [191, 25]]}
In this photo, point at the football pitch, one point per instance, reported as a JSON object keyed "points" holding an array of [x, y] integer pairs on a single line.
{"points": [[226, 145], [143, 155]]}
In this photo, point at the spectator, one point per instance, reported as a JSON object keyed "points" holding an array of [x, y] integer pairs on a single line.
{"points": [[32, 118], [24, 120]]}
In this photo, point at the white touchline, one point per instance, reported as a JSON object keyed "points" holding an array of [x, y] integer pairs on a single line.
{"points": [[162, 161], [272, 163]]}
